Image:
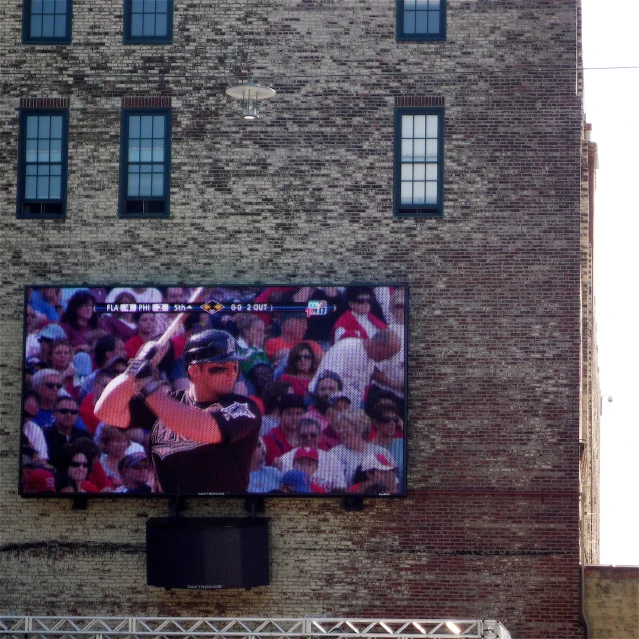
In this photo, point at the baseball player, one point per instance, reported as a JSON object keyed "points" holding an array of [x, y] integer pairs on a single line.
{"points": [[202, 439]]}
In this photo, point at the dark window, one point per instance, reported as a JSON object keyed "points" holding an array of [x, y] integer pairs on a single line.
{"points": [[46, 21], [145, 159], [421, 19], [42, 163], [148, 21], [419, 161]]}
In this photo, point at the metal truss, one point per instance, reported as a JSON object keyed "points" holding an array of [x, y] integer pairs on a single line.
{"points": [[14, 627]]}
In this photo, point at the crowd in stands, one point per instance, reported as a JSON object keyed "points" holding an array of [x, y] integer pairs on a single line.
{"points": [[330, 386]]}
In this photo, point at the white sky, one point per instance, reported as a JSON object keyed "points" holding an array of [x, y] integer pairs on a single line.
{"points": [[612, 107]]}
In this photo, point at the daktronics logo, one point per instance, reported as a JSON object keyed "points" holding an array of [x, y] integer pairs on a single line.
{"points": [[205, 587]]}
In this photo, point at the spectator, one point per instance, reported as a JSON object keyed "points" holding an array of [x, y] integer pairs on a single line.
{"points": [[87, 406], [146, 330], [62, 361], [328, 383], [339, 402], [251, 335], [146, 295], [32, 432], [47, 384], [293, 329], [134, 470], [263, 478], [329, 473], [115, 444], [259, 377], [97, 475], [120, 324], [295, 481], [305, 461], [33, 324], [48, 335], [301, 367], [282, 439], [358, 320], [353, 426], [386, 423], [271, 398], [39, 480], [107, 351], [80, 320], [389, 375], [354, 360], [46, 302], [380, 476], [64, 430], [74, 470]]}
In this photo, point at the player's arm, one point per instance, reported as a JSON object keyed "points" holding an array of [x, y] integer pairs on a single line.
{"points": [[113, 405], [183, 419]]}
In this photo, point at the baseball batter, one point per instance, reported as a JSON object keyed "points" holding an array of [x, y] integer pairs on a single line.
{"points": [[202, 439]]}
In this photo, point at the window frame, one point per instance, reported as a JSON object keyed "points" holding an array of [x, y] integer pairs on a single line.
{"points": [[27, 38], [401, 35], [124, 162], [21, 198], [413, 210], [128, 38]]}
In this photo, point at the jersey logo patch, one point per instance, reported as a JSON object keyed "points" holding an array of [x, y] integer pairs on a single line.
{"points": [[235, 410]]}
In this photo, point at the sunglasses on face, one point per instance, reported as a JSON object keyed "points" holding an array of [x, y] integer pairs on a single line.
{"points": [[53, 385], [363, 300], [304, 356], [66, 411], [311, 435], [74, 464]]}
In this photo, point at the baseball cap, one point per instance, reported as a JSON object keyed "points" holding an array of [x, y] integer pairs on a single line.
{"points": [[296, 480], [131, 461], [51, 332], [306, 452], [40, 480], [291, 400], [378, 461], [211, 345]]}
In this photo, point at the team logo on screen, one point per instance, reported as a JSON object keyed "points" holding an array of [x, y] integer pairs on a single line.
{"points": [[235, 410]]}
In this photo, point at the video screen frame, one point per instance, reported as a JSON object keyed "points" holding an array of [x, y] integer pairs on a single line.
{"points": [[246, 301]]}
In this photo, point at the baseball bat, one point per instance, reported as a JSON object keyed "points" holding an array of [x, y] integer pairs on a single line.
{"points": [[172, 329]]}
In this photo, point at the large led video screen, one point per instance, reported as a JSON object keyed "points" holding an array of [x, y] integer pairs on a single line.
{"points": [[214, 391]]}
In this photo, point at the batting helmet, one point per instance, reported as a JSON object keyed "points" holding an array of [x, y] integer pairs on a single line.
{"points": [[211, 345]]}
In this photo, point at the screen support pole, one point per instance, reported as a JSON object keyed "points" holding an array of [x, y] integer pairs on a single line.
{"points": [[176, 505], [353, 504], [79, 502], [254, 505]]}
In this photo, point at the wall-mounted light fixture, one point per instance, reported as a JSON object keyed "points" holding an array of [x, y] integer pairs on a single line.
{"points": [[250, 92]]}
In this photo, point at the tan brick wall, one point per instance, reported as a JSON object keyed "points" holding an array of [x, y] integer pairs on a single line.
{"points": [[611, 601]]}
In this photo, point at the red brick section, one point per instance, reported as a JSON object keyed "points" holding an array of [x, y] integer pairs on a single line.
{"points": [[612, 572], [146, 102], [44, 103]]}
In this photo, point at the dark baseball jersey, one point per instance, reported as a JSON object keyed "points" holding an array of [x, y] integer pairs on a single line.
{"points": [[187, 467]]}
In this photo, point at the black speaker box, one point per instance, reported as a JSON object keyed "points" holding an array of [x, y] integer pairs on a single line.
{"points": [[200, 553]]}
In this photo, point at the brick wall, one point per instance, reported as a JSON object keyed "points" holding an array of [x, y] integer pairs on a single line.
{"points": [[491, 525]]}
